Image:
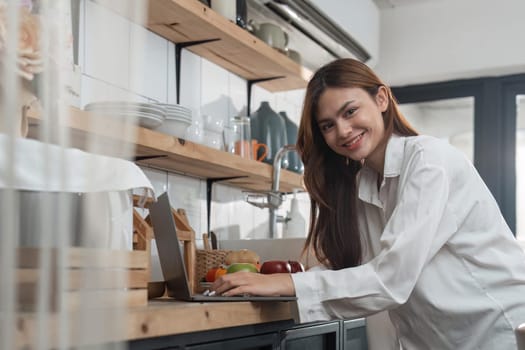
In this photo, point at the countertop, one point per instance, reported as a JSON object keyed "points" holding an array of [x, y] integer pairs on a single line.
{"points": [[161, 317]]}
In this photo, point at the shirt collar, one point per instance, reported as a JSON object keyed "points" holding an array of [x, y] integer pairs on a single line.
{"points": [[394, 156], [368, 178]]}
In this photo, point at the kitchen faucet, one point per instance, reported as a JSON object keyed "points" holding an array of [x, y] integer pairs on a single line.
{"points": [[276, 175], [272, 199]]}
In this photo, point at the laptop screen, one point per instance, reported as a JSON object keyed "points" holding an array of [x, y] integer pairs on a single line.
{"points": [[170, 255]]}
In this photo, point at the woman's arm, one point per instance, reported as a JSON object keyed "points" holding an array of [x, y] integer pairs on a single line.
{"points": [[255, 284]]}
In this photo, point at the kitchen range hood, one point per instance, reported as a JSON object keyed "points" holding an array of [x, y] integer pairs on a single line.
{"points": [[312, 22], [312, 31]]}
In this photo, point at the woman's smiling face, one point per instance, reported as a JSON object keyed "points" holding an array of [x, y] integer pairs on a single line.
{"points": [[351, 122]]}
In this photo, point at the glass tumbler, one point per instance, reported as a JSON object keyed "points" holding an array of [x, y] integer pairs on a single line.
{"points": [[238, 137]]}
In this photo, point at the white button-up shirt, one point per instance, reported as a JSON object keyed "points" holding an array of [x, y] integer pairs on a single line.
{"points": [[437, 254]]}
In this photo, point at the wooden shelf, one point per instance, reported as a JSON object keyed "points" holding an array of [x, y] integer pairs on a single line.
{"points": [[237, 50], [174, 154]]}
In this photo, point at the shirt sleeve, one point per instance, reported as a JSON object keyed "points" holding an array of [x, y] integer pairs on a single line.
{"points": [[418, 227]]}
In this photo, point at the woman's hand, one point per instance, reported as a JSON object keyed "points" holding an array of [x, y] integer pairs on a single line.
{"points": [[254, 284]]}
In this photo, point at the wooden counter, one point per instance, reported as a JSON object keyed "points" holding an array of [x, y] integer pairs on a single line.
{"points": [[160, 318]]}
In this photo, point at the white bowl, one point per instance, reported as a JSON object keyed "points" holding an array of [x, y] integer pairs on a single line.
{"points": [[174, 127]]}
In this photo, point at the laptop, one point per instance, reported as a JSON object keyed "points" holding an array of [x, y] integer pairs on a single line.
{"points": [[172, 262]]}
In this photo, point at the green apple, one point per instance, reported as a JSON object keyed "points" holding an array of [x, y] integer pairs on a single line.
{"points": [[237, 267]]}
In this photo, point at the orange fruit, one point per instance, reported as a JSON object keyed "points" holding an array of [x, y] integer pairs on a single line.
{"points": [[220, 272], [214, 273]]}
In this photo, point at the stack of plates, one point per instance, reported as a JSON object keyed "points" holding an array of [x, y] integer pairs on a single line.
{"points": [[176, 112], [148, 115], [178, 119]]}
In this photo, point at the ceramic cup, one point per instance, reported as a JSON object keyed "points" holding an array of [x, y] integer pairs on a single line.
{"points": [[227, 8], [271, 34], [294, 55], [250, 149]]}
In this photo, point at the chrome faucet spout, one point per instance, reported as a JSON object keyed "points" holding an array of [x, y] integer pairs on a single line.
{"points": [[276, 177]]}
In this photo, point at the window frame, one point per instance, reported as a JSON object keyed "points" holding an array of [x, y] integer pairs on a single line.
{"points": [[494, 137]]}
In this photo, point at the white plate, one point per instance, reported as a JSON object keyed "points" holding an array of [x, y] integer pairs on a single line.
{"points": [[117, 109], [178, 117], [124, 106], [147, 120]]}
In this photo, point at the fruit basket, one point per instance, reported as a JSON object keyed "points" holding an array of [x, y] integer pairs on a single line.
{"points": [[205, 260]]}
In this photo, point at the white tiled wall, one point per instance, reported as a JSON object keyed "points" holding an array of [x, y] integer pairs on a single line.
{"points": [[121, 60]]}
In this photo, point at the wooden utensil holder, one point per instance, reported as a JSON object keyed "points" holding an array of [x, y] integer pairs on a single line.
{"points": [[82, 277], [78, 276]]}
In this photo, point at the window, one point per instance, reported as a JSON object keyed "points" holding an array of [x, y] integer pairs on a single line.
{"points": [[485, 118]]}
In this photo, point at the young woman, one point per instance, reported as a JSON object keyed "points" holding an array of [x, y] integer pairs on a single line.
{"points": [[400, 222]]}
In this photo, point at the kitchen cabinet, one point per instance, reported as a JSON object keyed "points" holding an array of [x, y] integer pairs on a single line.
{"points": [[262, 336], [258, 342], [169, 153], [353, 334], [282, 335], [315, 336], [225, 44]]}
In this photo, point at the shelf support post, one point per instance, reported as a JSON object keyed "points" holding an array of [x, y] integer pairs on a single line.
{"points": [[178, 58]]}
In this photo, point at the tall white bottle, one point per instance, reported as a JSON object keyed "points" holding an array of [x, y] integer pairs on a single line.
{"points": [[296, 227]]}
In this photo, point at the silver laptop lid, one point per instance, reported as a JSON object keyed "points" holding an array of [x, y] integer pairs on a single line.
{"points": [[170, 256]]}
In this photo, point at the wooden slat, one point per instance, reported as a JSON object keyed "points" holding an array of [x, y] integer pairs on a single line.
{"points": [[181, 220], [85, 299], [87, 279], [184, 236], [143, 229], [84, 257], [238, 51], [137, 199]]}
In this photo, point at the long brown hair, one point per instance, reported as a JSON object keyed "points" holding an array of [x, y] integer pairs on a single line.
{"points": [[331, 178]]}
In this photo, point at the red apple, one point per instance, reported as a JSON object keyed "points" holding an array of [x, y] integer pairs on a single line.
{"points": [[296, 266], [275, 266]]}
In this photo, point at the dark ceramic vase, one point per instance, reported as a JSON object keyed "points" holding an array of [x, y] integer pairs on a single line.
{"points": [[294, 161], [268, 127]]}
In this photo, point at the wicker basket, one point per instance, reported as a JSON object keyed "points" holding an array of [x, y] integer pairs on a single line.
{"points": [[207, 259]]}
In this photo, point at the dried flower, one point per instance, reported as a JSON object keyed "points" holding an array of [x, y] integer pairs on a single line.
{"points": [[29, 58], [29, 31]]}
